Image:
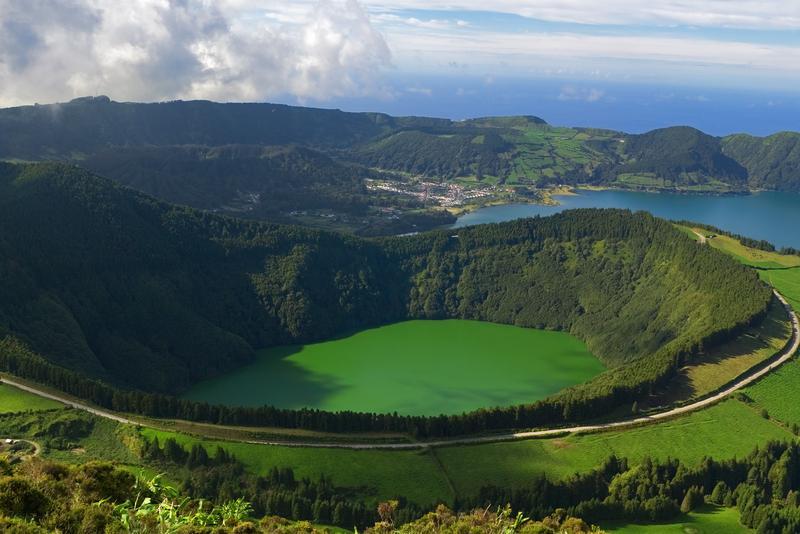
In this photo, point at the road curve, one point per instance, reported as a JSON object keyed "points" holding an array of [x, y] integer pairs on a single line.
{"points": [[37, 449], [781, 358]]}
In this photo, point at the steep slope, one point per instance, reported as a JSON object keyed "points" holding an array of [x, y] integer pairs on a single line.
{"points": [[772, 162], [118, 285]]}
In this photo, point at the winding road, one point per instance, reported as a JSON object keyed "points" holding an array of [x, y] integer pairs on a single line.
{"points": [[779, 359]]}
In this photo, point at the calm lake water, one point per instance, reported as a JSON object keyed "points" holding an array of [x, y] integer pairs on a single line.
{"points": [[412, 367], [771, 216]]}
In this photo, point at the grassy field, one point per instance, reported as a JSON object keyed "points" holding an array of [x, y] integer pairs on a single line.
{"points": [[413, 367], [377, 475], [750, 256], [707, 520], [15, 400], [717, 431], [787, 281], [779, 393], [438, 475]]}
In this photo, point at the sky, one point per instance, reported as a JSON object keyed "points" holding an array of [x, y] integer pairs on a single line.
{"points": [[722, 65]]}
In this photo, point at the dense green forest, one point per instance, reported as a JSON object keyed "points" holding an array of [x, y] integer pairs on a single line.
{"points": [[101, 281], [88, 125], [682, 155], [238, 176], [772, 162], [449, 155]]}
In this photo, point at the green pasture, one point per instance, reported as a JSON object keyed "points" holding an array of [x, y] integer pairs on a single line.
{"points": [[413, 367], [715, 431], [779, 393], [785, 280], [441, 473], [376, 474], [707, 520], [15, 400]]}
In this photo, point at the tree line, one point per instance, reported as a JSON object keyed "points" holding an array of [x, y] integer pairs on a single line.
{"points": [[764, 486]]}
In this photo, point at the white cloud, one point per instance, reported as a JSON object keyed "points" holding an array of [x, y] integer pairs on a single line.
{"points": [[425, 91], [389, 19], [571, 93], [317, 50], [162, 49], [752, 14], [566, 54]]}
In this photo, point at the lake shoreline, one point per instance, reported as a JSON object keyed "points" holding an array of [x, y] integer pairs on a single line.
{"points": [[766, 215]]}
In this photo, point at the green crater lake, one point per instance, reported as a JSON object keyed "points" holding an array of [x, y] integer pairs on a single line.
{"points": [[412, 367]]}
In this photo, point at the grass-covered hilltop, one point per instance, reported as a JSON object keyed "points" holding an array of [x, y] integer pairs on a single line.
{"points": [[118, 298], [371, 173]]}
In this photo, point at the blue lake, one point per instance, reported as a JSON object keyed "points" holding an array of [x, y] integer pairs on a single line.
{"points": [[768, 215]]}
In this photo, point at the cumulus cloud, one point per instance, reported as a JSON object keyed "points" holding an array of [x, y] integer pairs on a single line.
{"points": [[163, 49]]}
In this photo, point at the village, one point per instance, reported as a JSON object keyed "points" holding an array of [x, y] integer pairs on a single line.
{"points": [[447, 194]]}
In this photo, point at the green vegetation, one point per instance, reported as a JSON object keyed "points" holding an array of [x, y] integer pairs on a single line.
{"points": [[778, 394], [677, 158], [15, 400], [787, 281], [308, 166], [377, 474], [629, 285], [709, 519], [485, 521], [414, 367], [429, 476], [429, 154], [722, 364], [764, 258], [689, 438], [772, 162]]}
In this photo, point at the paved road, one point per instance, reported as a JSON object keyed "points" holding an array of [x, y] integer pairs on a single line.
{"points": [[781, 358]]}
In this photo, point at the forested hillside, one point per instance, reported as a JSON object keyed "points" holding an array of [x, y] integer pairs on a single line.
{"points": [[675, 157], [444, 155], [250, 180], [88, 125], [772, 162], [122, 287]]}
